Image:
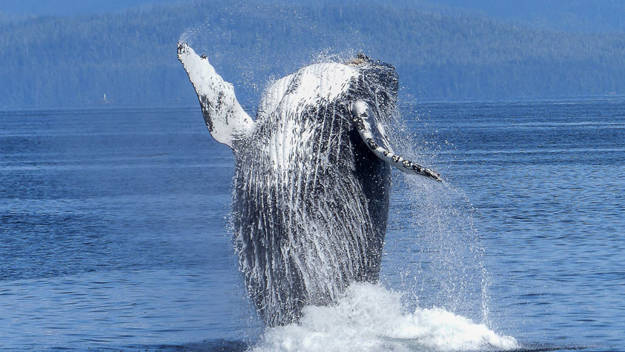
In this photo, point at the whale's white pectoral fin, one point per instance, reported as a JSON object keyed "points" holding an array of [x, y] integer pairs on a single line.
{"points": [[363, 122], [225, 118]]}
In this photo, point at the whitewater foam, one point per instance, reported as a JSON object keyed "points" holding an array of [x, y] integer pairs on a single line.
{"points": [[371, 318]]}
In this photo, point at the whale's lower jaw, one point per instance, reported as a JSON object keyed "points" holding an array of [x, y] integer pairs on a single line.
{"points": [[304, 230]]}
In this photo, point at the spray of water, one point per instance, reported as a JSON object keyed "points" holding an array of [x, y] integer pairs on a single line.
{"points": [[432, 238], [371, 318]]}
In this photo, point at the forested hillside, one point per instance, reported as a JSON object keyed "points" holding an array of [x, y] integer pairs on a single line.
{"points": [[580, 16], [131, 56]]}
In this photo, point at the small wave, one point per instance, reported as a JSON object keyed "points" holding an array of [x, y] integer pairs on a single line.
{"points": [[371, 318]]}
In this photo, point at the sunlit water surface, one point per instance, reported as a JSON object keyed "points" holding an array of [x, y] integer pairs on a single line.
{"points": [[114, 235]]}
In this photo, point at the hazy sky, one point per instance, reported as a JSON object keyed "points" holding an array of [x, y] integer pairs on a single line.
{"points": [[68, 7]]}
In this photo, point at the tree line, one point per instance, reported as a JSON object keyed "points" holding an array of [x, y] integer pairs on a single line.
{"points": [[130, 56]]}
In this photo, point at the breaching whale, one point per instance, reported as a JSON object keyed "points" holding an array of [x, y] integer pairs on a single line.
{"points": [[312, 178]]}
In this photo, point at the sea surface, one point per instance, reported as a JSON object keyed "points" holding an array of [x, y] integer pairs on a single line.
{"points": [[114, 235]]}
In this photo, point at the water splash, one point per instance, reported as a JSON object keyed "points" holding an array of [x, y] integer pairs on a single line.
{"points": [[371, 318], [433, 249]]}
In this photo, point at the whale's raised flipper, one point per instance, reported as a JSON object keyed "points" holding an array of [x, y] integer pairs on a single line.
{"points": [[362, 119], [225, 118]]}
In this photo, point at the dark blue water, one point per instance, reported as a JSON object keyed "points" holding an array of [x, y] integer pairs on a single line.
{"points": [[114, 225]]}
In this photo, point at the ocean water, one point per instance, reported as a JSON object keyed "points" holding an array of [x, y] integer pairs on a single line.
{"points": [[114, 235]]}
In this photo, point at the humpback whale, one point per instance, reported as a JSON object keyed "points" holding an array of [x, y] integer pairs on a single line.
{"points": [[312, 178]]}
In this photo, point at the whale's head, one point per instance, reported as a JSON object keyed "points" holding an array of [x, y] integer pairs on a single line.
{"points": [[374, 90], [378, 82]]}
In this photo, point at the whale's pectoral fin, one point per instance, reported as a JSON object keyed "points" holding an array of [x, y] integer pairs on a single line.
{"points": [[374, 139], [225, 118]]}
